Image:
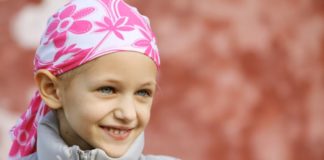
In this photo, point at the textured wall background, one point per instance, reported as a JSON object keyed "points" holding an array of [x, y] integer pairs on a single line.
{"points": [[240, 79]]}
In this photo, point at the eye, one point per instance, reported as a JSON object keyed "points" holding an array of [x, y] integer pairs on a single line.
{"points": [[144, 93], [107, 90]]}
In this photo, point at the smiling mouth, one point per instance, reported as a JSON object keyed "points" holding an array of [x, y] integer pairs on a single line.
{"points": [[118, 133]]}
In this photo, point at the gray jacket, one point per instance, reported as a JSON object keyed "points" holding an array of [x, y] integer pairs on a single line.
{"points": [[50, 146]]}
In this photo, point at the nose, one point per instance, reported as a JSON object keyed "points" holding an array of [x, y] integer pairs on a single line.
{"points": [[126, 109]]}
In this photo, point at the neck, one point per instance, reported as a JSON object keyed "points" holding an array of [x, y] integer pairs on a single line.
{"points": [[66, 132]]}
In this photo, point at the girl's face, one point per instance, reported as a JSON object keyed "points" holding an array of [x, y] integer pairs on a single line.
{"points": [[108, 105]]}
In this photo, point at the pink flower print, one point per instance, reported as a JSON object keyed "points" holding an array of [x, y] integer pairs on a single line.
{"points": [[64, 53], [149, 43], [68, 56], [119, 25], [68, 21]]}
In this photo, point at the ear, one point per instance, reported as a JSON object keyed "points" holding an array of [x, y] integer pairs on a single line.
{"points": [[49, 88]]}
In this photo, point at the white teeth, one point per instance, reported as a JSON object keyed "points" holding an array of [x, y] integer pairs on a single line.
{"points": [[116, 131]]}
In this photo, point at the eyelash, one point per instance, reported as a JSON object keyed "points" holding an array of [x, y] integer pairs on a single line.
{"points": [[147, 93], [112, 90], [107, 90]]}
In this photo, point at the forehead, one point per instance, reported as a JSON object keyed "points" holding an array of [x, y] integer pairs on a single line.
{"points": [[130, 66]]}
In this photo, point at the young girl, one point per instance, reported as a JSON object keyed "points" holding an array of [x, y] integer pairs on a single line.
{"points": [[96, 70]]}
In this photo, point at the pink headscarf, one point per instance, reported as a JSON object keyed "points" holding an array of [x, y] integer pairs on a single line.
{"points": [[79, 32]]}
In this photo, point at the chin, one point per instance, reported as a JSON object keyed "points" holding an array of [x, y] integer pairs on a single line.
{"points": [[117, 150], [116, 153]]}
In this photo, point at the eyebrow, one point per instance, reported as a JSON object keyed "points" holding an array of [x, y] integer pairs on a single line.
{"points": [[113, 81], [148, 83]]}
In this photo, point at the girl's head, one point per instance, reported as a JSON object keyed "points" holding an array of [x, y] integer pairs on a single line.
{"points": [[106, 104], [96, 66]]}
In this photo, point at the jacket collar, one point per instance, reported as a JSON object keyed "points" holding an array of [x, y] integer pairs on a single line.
{"points": [[51, 146]]}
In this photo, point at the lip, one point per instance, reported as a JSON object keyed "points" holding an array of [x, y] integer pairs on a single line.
{"points": [[118, 133]]}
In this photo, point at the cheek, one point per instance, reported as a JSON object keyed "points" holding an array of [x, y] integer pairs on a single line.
{"points": [[93, 112], [85, 111], [144, 115]]}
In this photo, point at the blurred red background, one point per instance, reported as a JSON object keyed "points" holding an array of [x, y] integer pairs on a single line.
{"points": [[240, 79]]}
